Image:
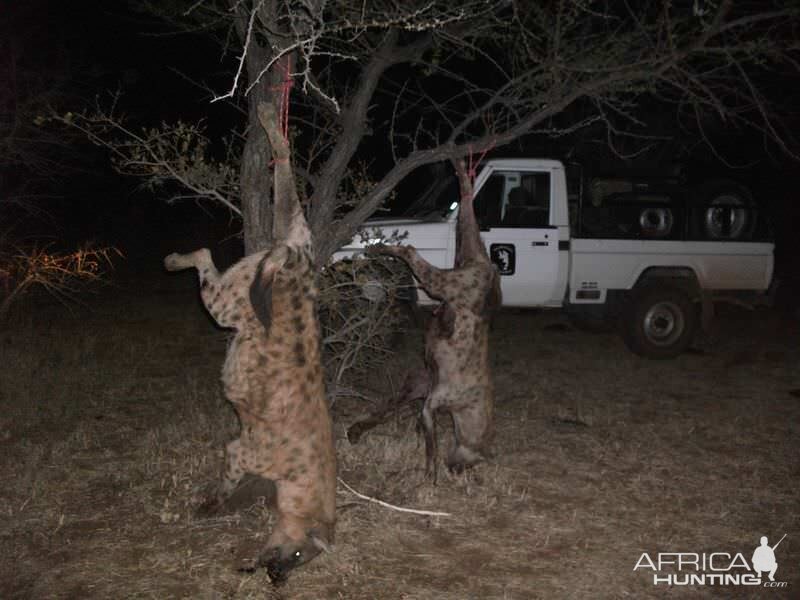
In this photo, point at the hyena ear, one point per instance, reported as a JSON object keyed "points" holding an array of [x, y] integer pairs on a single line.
{"points": [[261, 300], [320, 543], [261, 288]]}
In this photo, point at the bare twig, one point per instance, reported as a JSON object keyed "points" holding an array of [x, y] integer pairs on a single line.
{"points": [[479, 73], [429, 513]]}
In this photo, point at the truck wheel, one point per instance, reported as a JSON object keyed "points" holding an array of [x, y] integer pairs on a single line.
{"points": [[728, 212], [660, 323]]}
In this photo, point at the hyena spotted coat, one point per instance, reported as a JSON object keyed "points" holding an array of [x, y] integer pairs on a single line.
{"points": [[273, 376], [457, 376]]}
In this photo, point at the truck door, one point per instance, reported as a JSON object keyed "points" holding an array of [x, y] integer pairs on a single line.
{"points": [[513, 209]]}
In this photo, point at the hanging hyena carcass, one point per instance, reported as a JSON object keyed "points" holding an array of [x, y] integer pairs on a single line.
{"points": [[273, 375], [457, 375]]}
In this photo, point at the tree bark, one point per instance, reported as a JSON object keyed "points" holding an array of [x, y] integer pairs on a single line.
{"points": [[255, 178]]}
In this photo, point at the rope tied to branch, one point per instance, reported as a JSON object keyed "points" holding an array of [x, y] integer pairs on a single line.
{"points": [[473, 164]]}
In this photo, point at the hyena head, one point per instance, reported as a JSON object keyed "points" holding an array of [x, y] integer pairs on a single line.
{"points": [[280, 560]]}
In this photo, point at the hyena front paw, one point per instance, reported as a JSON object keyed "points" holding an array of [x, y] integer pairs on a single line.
{"points": [[199, 259], [377, 250], [173, 262]]}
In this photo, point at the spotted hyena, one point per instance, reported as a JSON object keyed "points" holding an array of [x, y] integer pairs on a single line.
{"points": [[273, 377], [457, 373]]}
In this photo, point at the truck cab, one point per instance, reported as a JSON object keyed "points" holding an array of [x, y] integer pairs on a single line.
{"points": [[649, 255], [522, 209]]}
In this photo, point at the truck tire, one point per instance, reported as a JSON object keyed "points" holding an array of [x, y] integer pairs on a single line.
{"points": [[660, 321], [727, 212]]}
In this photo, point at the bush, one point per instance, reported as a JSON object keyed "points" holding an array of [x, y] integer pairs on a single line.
{"points": [[363, 304]]}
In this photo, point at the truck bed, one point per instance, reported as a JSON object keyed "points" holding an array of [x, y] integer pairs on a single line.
{"points": [[618, 264]]}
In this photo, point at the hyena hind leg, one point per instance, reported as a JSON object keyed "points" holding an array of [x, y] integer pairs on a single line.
{"points": [[200, 259], [416, 387]]}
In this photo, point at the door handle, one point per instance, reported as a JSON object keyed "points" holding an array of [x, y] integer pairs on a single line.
{"points": [[540, 243]]}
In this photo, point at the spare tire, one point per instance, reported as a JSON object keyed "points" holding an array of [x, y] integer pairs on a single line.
{"points": [[727, 212], [656, 222]]}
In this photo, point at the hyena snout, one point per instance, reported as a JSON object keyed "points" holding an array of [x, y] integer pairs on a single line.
{"points": [[462, 458], [279, 561]]}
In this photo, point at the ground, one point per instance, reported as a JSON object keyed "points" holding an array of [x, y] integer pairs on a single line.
{"points": [[112, 424]]}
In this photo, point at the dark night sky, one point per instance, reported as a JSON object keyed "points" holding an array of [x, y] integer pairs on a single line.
{"points": [[139, 54], [98, 48], [109, 47]]}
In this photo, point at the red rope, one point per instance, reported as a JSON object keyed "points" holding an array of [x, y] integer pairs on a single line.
{"points": [[285, 89], [285, 92], [472, 164]]}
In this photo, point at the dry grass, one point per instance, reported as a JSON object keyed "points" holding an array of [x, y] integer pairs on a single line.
{"points": [[112, 424], [62, 275]]}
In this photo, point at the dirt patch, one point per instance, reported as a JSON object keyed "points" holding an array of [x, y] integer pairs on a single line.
{"points": [[112, 425]]}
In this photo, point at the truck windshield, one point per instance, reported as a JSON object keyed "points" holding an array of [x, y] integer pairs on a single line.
{"points": [[438, 200]]}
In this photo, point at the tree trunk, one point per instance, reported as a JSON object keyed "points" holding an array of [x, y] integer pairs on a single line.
{"points": [[326, 242], [255, 178]]}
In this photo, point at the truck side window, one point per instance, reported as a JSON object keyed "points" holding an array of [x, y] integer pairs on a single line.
{"points": [[528, 203], [514, 199]]}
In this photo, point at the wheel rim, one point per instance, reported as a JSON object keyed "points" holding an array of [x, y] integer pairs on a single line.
{"points": [[664, 323]]}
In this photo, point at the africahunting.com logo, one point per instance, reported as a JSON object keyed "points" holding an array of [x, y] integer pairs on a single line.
{"points": [[713, 568]]}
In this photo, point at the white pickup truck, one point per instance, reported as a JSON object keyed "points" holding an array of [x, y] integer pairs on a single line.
{"points": [[648, 255]]}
